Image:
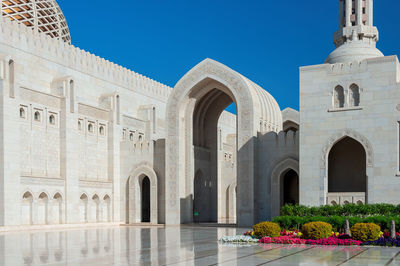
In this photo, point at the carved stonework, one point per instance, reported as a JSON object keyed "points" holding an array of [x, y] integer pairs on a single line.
{"points": [[253, 105], [342, 134]]}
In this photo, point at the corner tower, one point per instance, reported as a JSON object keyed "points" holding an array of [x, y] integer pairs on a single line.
{"points": [[357, 37]]}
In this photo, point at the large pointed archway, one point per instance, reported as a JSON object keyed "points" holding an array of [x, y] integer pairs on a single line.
{"points": [[193, 109]]}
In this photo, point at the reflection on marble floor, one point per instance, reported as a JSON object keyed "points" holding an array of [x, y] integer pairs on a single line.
{"points": [[171, 246]]}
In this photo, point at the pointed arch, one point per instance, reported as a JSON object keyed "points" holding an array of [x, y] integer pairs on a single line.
{"points": [[135, 193], [83, 208], [42, 208], [56, 208], [279, 170], [106, 208], [369, 157], [95, 208], [253, 104], [27, 208]]}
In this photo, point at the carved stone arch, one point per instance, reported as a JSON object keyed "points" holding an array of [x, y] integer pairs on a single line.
{"points": [[340, 135], [281, 168], [134, 187], [57, 192], [44, 192], [30, 192], [84, 193], [253, 105]]}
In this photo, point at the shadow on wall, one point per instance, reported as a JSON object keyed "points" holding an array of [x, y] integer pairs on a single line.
{"points": [[281, 148]]}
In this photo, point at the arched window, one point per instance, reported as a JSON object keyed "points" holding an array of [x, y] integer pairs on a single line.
{"points": [[11, 66], [101, 130], [22, 112], [131, 137], [52, 120], [72, 96], [27, 208], [79, 125], [57, 209], [95, 208], [36, 116], [354, 95], [107, 209], [42, 209], [338, 97], [140, 138], [83, 208], [90, 127]]}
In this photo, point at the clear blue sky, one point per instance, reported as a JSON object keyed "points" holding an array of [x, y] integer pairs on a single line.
{"points": [[264, 40]]}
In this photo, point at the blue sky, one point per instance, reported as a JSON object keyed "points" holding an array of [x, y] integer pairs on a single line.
{"points": [[264, 40]]}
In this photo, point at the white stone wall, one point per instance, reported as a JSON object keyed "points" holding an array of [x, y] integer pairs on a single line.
{"points": [[108, 121], [374, 124]]}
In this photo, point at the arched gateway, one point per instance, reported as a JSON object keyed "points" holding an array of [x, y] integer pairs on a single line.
{"points": [[193, 110]]}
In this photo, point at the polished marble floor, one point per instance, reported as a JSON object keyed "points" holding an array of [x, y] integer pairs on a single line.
{"points": [[183, 245]]}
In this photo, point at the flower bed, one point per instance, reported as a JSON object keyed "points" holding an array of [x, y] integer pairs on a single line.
{"points": [[333, 241], [384, 242], [282, 240], [316, 233]]}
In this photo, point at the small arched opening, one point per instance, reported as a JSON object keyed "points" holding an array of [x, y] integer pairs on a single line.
{"points": [[145, 199], [142, 196], [37, 116], [95, 213], [107, 209], [22, 113], [83, 208], [354, 95], [26, 209], [338, 97], [57, 209], [42, 209], [11, 66], [290, 188]]}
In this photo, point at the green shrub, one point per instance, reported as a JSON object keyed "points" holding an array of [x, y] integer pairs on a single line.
{"points": [[316, 230], [267, 229], [365, 231], [337, 222], [345, 210]]}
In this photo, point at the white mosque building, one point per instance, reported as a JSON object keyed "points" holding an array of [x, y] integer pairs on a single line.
{"points": [[85, 141]]}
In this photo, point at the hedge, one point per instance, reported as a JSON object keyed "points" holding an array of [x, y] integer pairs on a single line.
{"points": [[345, 210], [337, 222]]}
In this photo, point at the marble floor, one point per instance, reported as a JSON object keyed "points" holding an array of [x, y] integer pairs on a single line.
{"points": [[185, 245]]}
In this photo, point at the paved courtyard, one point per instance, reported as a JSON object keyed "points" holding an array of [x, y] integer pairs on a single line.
{"points": [[171, 246]]}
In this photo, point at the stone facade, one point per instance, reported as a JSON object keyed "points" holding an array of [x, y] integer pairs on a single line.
{"points": [[85, 141]]}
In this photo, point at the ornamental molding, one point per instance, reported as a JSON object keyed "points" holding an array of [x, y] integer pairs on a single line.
{"points": [[339, 136]]}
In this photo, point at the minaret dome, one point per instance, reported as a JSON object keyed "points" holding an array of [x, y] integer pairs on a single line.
{"points": [[357, 37]]}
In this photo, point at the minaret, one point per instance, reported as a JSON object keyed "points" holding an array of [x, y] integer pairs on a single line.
{"points": [[357, 37]]}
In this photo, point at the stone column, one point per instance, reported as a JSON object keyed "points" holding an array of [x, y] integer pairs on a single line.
{"points": [[359, 12], [370, 12], [349, 7]]}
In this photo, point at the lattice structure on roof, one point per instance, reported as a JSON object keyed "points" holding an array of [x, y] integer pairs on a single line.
{"points": [[42, 15]]}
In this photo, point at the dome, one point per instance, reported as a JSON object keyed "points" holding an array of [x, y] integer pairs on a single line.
{"points": [[353, 51], [43, 15]]}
